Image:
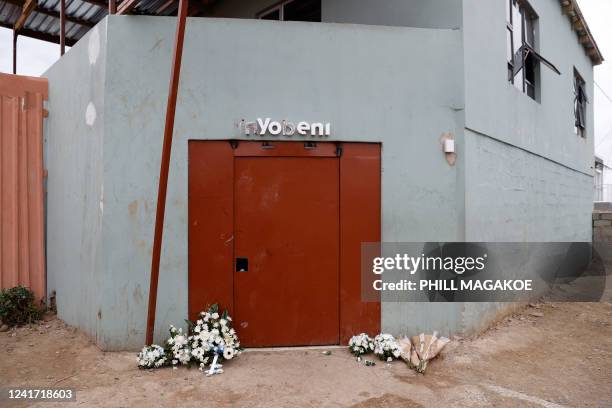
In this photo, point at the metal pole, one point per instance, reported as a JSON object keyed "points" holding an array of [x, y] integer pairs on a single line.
{"points": [[15, 51], [165, 165], [62, 26], [112, 6]]}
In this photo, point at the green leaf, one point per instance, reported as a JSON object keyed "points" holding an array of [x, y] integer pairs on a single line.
{"points": [[190, 325]]}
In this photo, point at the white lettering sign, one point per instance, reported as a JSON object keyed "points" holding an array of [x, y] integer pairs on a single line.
{"points": [[267, 126]]}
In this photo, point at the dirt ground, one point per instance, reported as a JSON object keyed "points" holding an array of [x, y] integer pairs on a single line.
{"points": [[547, 355]]}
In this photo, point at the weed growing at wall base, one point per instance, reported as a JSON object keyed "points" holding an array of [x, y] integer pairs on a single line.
{"points": [[18, 306]]}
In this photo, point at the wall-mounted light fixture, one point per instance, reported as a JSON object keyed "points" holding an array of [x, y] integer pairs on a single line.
{"points": [[447, 140]]}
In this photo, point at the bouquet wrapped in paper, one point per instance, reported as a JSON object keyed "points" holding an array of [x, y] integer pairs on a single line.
{"points": [[419, 350]]}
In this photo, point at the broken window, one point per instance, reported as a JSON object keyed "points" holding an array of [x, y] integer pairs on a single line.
{"points": [[580, 102], [522, 58], [293, 10]]}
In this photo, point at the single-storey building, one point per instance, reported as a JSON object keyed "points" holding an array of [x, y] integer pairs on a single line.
{"points": [[304, 128]]}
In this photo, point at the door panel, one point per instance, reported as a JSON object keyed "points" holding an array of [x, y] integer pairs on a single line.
{"points": [[286, 224], [360, 222], [211, 228]]}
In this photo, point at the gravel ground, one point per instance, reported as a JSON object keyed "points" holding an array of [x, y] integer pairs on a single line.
{"points": [[548, 355]]}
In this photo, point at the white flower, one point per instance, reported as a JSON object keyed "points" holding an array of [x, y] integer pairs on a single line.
{"points": [[360, 344], [151, 356], [215, 315], [228, 353]]}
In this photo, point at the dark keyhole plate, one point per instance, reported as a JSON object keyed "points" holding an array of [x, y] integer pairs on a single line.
{"points": [[242, 265]]}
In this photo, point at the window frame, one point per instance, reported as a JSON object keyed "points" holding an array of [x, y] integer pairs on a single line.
{"points": [[517, 61], [280, 6]]}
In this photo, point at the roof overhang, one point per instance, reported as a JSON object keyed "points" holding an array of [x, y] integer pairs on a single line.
{"points": [[40, 18], [573, 12]]}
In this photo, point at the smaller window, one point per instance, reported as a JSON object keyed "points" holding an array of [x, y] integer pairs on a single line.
{"points": [[293, 10], [580, 102]]}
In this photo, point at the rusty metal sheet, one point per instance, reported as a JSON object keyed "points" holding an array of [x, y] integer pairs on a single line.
{"points": [[360, 207], [211, 226], [22, 255]]}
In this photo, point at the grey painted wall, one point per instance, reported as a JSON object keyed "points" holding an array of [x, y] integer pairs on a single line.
{"points": [[74, 137], [528, 177], [521, 173], [355, 79], [545, 127]]}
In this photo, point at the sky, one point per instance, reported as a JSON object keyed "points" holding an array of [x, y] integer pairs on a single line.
{"points": [[35, 56]]}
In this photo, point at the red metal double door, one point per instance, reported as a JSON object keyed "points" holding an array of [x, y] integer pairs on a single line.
{"points": [[278, 227]]}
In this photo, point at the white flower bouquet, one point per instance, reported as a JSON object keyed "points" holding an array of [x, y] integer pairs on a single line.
{"points": [[213, 334], [386, 347], [178, 346], [152, 356], [361, 344]]}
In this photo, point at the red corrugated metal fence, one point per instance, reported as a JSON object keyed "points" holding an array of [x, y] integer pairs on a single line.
{"points": [[22, 253]]}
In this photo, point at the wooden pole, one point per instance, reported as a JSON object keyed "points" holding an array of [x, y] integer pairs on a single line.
{"points": [[15, 51], [62, 27], [112, 6], [165, 165]]}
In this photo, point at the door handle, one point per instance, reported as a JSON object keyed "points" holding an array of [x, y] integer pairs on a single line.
{"points": [[242, 264]]}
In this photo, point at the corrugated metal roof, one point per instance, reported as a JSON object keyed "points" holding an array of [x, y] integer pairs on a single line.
{"points": [[81, 15], [43, 21]]}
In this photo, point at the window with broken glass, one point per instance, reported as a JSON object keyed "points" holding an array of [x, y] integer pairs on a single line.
{"points": [[522, 57], [580, 102]]}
